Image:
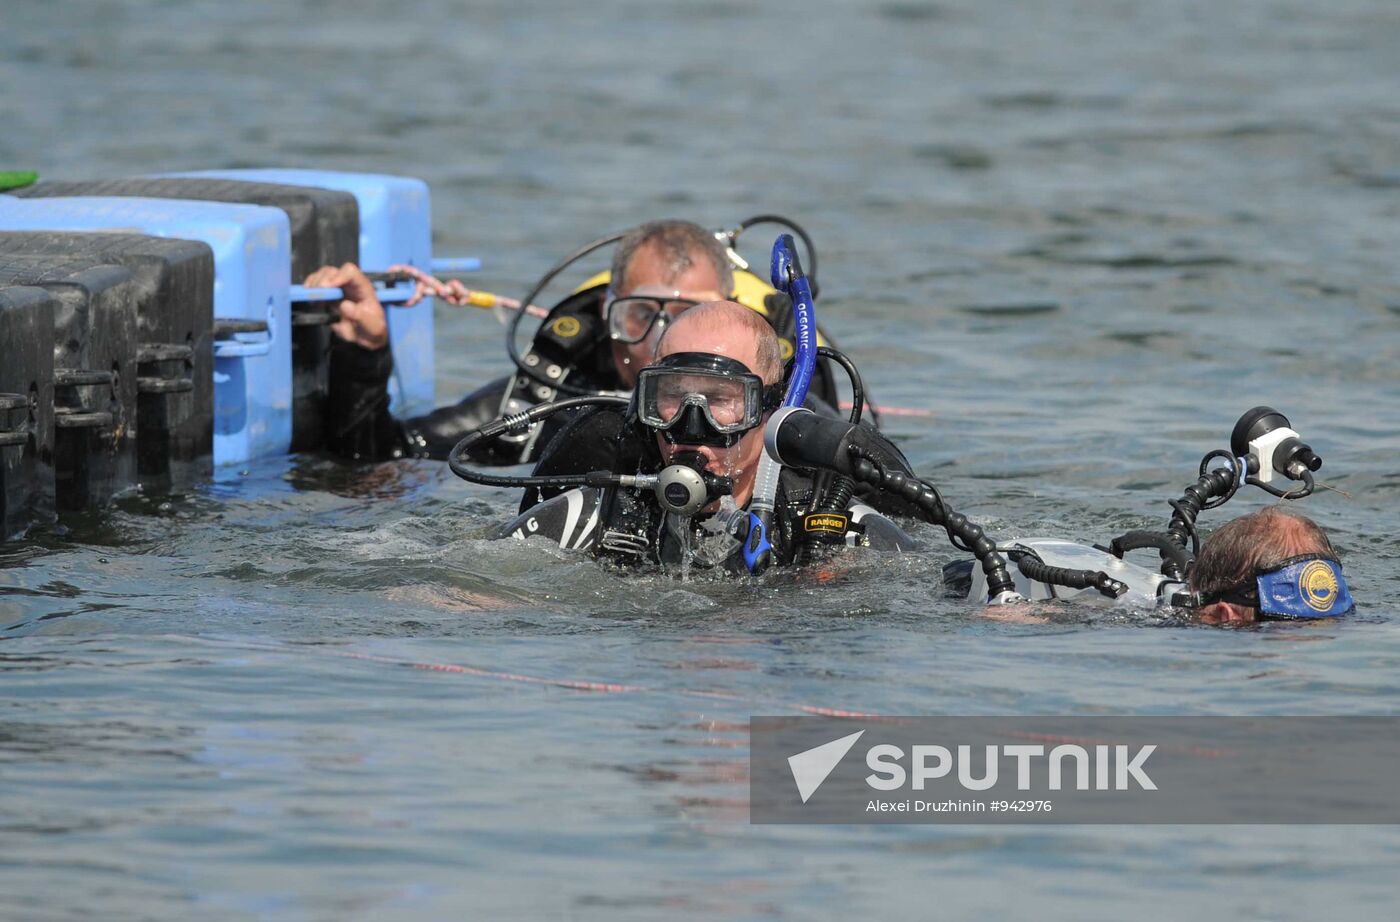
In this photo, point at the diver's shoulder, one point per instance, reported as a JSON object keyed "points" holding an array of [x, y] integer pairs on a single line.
{"points": [[569, 519]]}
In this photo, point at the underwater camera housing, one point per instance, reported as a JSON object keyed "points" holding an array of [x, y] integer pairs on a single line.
{"points": [[1264, 448], [1263, 436]]}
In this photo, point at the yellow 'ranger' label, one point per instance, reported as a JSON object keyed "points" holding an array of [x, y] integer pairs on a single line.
{"points": [[830, 523]]}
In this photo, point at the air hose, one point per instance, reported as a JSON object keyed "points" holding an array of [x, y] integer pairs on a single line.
{"points": [[682, 488], [513, 328], [731, 237], [832, 491], [457, 459]]}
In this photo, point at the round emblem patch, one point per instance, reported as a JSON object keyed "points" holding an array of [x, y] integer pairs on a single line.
{"points": [[1318, 586]]}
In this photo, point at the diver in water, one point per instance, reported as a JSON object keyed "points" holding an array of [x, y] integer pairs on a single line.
{"points": [[698, 414], [594, 341], [1272, 564]]}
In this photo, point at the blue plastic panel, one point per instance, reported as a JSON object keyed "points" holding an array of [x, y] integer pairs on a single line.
{"points": [[252, 268], [395, 227]]}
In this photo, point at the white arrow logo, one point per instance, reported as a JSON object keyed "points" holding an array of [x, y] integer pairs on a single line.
{"points": [[811, 768]]}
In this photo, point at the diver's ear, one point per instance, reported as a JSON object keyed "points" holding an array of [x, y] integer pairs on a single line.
{"points": [[1238, 614], [1223, 613]]}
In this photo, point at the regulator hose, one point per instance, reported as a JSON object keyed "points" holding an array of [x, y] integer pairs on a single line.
{"points": [[832, 491], [457, 462], [790, 225], [513, 328]]}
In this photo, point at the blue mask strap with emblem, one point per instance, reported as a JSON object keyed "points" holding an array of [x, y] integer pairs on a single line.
{"points": [[1311, 587], [1300, 587]]}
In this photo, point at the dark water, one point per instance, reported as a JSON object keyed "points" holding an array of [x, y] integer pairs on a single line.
{"points": [[1087, 236]]}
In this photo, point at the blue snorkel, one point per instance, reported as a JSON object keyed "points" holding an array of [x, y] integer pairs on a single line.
{"points": [[787, 277]]}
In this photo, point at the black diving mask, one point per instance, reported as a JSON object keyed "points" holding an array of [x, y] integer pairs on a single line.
{"points": [[698, 398], [1309, 586]]}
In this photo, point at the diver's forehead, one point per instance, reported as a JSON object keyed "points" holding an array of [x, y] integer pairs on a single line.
{"points": [[661, 291], [714, 341], [649, 274]]}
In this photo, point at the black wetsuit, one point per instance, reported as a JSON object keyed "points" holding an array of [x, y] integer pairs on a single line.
{"points": [[572, 346], [606, 439], [628, 525]]}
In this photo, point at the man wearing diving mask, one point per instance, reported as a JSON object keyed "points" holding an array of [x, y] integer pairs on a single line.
{"points": [[701, 407], [1273, 564], [702, 402], [659, 271]]}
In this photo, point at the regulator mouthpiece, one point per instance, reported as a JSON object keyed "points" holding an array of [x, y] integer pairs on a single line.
{"points": [[685, 487], [1263, 436]]}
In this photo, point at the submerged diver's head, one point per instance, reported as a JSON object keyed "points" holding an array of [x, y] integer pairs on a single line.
{"points": [[660, 270], [1269, 564], [716, 379]]}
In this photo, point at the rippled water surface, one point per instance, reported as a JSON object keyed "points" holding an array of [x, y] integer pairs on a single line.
{"points": [[1085, 236]]}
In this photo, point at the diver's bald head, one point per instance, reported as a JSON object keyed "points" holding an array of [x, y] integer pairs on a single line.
{"points": [[726, 328]]}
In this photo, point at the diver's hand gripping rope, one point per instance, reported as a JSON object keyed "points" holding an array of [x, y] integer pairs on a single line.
{"points": [[453, 292]]}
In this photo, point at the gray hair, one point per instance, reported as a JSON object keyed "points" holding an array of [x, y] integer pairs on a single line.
{"points": [[678, 243], [1258, 541]]}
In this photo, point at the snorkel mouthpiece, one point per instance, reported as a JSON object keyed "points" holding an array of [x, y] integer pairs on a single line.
{"points": [[685, 487]]}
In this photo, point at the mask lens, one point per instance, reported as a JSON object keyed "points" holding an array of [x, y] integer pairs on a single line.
{"points": [[725, 400], [630, 319], [723, 397]]}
